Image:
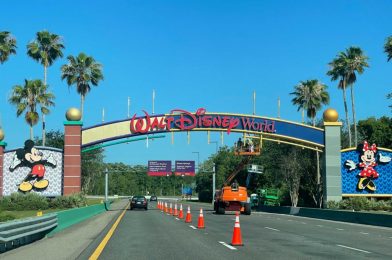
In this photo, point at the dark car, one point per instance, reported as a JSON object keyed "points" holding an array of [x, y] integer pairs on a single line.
{"points": [[153, 198], [138, 202]]}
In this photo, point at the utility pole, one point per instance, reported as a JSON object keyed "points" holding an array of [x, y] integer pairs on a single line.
{"points": [[213, 183]]}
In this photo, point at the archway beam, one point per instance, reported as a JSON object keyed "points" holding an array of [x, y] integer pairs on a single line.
{"points": [[120, 142]]}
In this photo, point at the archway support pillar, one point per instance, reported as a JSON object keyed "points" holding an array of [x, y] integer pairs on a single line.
{"points": [[72, 157], [332, 179]]}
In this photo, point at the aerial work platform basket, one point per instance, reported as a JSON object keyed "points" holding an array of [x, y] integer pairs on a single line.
{"points": [[250, 145]]}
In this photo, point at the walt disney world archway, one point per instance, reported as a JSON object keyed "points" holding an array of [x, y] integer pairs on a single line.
{"points": [[325, 140]]}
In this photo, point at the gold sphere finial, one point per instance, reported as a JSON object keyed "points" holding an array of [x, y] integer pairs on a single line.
{"points": [[1, 134], [73, 114], [330, 115]]}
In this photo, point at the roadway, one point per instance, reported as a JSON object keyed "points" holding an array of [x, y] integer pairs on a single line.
{"points": [[154, 235]]}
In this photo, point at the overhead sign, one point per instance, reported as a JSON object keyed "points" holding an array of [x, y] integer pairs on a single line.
{"points": [[184, 168], [159, 168]]}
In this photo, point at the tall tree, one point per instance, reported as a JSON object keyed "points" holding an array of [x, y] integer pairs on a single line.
{"points": [[354, 62], [7, 46], [337, 72], [344, 68], [82, 71], [388, 51], [29, 98], [45, 49], [388, 47], [311, 95]]}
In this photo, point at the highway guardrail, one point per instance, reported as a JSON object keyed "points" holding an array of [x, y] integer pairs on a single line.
{"points": [[21, 232]]}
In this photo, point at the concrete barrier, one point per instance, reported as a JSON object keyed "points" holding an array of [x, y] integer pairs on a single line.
{"points": [[375, 219], [71, 217]]}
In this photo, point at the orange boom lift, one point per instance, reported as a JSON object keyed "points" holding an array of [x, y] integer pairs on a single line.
{"points": [[231, 196]]}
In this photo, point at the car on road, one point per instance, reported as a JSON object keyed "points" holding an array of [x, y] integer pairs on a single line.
{"points": [[138, 202], [153, 198]]}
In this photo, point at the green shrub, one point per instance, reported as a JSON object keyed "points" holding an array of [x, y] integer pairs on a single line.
{"points": [[333, 204], [20, 201], [6, 216], [66, 202], [359, 203]]}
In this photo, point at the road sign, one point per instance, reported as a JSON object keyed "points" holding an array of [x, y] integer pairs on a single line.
{"points": [[159, 168], [185, 168]]}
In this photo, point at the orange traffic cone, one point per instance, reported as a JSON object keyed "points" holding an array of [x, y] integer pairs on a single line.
{"points": [[237, 239], [188, 218], [200, 222], [171, 209], [165, 207], [181, 214], [175, 213]]}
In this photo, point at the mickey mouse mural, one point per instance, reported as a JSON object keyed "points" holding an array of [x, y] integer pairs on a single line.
{"points": [[368, 162], [31, 157]]}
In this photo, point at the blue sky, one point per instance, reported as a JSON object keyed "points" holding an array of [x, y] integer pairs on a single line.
{"points": [[210, 54]]}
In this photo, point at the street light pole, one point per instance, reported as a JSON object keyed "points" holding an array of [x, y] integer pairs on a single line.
{"points": [[198, 160], [106, 185], [216, 145], [213, 183]]}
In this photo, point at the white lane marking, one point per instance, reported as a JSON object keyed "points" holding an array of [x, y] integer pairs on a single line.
{"points": [[228, 246], [193, 227], [177, 219], [274, 229], [363, 233], [341, 229], [320, 225], [290, 220], [356, 249], [303, 223]]}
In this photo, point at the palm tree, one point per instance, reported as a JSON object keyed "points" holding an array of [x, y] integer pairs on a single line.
{"points": [[7, 46], [388, 51], [310, 95], [45, 49], [337, 72], [388, 47], [28, 98], [354, 61], [344, 67], [82, 71]]}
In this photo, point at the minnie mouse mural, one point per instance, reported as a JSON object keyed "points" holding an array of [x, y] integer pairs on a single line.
{"points": [[368, 157]]}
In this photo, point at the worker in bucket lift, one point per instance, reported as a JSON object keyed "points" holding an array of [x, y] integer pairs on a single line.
{"points": [[234, 185], [239, 144], [251, 147]]}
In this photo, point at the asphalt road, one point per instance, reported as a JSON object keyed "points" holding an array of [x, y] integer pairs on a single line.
{"points": [[154, 235]]}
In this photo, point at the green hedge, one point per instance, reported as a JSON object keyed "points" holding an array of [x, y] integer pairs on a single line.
{"points": [[6, 216], [361, 203], [33, 201]]}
